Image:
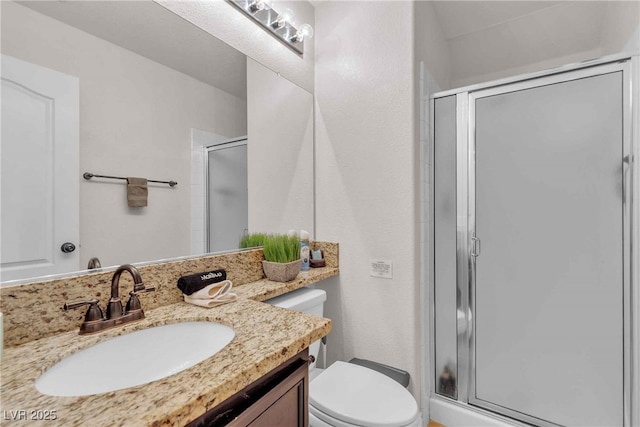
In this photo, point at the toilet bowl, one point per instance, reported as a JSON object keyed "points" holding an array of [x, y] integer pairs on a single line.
{"points": [[346, 394]]}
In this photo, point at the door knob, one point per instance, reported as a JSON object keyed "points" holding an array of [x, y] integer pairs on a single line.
{"points": [[68, 247]]}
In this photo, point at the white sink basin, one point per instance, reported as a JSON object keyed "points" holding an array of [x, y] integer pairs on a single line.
{"points": [[134, 359]]}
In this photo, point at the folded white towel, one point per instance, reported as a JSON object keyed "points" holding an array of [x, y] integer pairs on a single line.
{"points": [[212, 295], [213, 290], [210, 302]]}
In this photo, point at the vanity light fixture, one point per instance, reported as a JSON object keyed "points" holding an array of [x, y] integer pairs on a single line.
{"points": [[304, 32], [284, 17], [279, 24], [258, 5]]}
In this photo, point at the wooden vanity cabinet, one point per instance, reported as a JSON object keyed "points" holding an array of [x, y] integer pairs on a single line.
{"points": [[280, 398]]}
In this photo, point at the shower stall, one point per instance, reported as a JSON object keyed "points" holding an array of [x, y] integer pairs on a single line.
{"points": [[535, 263]]}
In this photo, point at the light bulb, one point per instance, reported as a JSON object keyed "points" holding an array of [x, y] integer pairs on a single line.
{"points": [[304, 32], [284, 17], [259, 5]]}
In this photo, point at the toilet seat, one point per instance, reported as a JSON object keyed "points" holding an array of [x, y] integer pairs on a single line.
{"points": [[351, 395]]}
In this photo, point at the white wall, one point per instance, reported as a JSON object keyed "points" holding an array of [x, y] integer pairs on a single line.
{"points": [[230, 25], [562, 33], [529, 68], [135, 120], [596, 29], [279, 153], [621, 29], [431, 46], [366, 180]]}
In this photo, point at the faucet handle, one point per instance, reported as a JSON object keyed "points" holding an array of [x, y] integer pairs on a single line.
{"points": [[134, 301], [94, 312], [142, 289]]}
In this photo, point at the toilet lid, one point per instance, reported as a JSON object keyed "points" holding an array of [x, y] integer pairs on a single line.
{"points": [[362, 396]]}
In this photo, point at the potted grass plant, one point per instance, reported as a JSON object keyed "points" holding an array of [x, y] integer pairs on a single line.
{"points": [[281, 257], [252, 240]]}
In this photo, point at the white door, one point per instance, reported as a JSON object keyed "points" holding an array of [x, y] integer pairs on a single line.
{"points": [[39, 171]]}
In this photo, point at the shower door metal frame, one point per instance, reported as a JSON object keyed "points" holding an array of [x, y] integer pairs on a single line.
{"points": [[629, 65], [563, 77]]}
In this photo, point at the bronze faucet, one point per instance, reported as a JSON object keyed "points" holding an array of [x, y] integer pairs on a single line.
{"points": [[94, 322], [94, 263]]}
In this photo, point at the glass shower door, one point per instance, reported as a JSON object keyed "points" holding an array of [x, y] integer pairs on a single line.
{"points": [[547, 163]]}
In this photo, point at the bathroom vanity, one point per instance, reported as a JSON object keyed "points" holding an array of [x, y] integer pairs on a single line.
{"points": [[267, 338], [266, 361], [280, 398]]}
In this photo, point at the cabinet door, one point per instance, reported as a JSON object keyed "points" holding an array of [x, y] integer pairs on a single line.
{"points": [[287, 411], [280, 398], [284, 405]]}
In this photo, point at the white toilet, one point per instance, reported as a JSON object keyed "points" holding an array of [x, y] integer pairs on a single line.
{"points": [[346, 394]]}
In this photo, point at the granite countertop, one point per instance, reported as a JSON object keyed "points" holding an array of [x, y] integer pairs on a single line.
{"points": [[265, 289], [266, 336]]}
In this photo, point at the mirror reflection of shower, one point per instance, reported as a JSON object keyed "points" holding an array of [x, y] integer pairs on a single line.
{"points": [[227, 198]]}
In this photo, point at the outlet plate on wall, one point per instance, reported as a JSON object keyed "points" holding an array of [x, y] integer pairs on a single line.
{"points": [[382, 268]]}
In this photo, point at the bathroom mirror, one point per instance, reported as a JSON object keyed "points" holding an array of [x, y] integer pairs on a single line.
{"points": [[148, 80]]}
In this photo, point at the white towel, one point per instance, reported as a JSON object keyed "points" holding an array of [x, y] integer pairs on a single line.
{"points": [[213, 290], [212, 295], [210, 302]]}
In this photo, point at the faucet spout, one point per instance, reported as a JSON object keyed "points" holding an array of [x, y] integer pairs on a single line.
{"points": [[115, 280], [94, 263], [114, 309]]}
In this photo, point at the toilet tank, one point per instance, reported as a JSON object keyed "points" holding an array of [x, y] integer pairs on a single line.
{"points": [[305, 300]]}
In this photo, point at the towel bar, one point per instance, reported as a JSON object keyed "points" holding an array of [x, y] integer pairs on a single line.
{"points": [[89, 175]]}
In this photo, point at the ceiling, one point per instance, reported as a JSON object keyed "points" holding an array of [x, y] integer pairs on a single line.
{"points": [[487, 37]]}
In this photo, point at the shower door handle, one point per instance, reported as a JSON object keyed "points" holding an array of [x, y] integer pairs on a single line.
{"points": [[475, 246]]}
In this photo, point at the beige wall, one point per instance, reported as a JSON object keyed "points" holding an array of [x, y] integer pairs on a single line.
{"points": [[366, 179], [135, 120]]}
